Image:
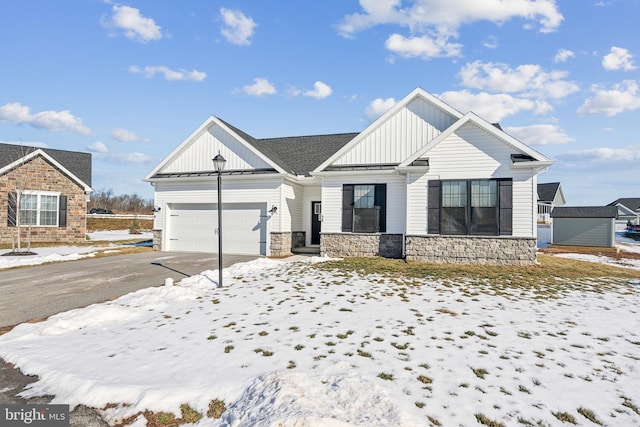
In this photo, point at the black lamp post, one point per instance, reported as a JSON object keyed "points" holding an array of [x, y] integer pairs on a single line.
{"points": [[218, 163]]}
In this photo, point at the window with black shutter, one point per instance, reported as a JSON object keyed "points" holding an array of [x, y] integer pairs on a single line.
{"points": [[37, 208], [364, 208], [470, 207]]}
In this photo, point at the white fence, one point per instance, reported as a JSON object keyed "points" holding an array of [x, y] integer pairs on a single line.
{"points": [[117, 216]]}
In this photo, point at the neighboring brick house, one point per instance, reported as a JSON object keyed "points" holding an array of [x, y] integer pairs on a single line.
{"points": [[47, 189]]}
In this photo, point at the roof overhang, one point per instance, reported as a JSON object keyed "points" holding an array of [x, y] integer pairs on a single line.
{"points": [[209, 175], [533, 164], [368, 170]]}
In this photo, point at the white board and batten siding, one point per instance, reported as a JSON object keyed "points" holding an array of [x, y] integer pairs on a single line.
{"points": [[332, 200], [403, 134], [196, 156]]}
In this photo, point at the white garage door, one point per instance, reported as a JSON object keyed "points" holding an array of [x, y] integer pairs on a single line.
{"points": [[193, 227]]}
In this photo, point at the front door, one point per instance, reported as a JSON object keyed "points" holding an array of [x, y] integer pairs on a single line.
{"points": [[316, 212]]}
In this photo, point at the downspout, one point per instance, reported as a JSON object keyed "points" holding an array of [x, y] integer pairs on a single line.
{"points": [[406, 218]]}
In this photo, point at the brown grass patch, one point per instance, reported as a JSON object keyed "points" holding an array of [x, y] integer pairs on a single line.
{"points": [[116, 223], [550, 274]]}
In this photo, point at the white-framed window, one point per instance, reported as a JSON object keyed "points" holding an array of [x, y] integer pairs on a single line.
{"points": [[39, 208]]}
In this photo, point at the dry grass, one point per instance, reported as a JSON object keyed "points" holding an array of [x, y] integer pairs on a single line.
{"points": [[115, 223], [550, 274]]}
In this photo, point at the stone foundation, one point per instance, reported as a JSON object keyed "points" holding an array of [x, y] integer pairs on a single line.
{"points": [[356, 245], [157, 240], [480, 250], [282, 243]]}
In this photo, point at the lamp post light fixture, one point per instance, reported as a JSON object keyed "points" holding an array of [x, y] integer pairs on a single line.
{"points": [[218, 163]]}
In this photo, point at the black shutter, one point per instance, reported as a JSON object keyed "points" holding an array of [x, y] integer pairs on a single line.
{"points": [[505, 198], [433, 205], [62, 212], [347, 207], [381, 207], [12, 210]]}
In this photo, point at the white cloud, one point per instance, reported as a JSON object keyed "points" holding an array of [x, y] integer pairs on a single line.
{"points": [[171, 75], [618, 58], [378, 107], [424, 47], [540, 134], [605, 154], [135, 26], [433, 23], [493, 108], [136, 158], [563, 55], [528, 79], [260, 86], [121, 158], [320, 91], [97, 147], [491, 42], [238, 28], [446, 16], [17, 113], [124, 135], [622, 97]]}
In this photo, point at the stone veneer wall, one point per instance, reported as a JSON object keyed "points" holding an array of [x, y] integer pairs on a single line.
{"points": [[354, 244], [484, 250], [280, 244], [157, 240], [39, 175]]}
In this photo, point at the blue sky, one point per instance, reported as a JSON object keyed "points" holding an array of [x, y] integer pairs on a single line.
{"points": [[129, 81]]}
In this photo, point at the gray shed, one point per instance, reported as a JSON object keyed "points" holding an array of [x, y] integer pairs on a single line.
{"points": [[584, 226]]}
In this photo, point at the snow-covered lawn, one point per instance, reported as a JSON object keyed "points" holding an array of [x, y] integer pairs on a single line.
{"points": [[108, 239], [288, 344]]}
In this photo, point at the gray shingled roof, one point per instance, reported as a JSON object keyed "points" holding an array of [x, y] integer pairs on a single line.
{"points": [[585, 212], [75, 162], [298, 155], [547, 192], [632, 203]]}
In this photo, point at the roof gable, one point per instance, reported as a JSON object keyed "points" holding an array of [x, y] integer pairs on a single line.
{"points": [[533, 158], [632, 203], [551, 192], [297, 155], [76, 165], [403, 129], [194, 154]]}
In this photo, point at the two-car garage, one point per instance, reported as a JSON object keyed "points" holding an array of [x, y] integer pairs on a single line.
{"points": [[194, 227]]}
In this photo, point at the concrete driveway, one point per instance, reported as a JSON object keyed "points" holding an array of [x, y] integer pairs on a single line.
{"points": [[40, 291]]}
